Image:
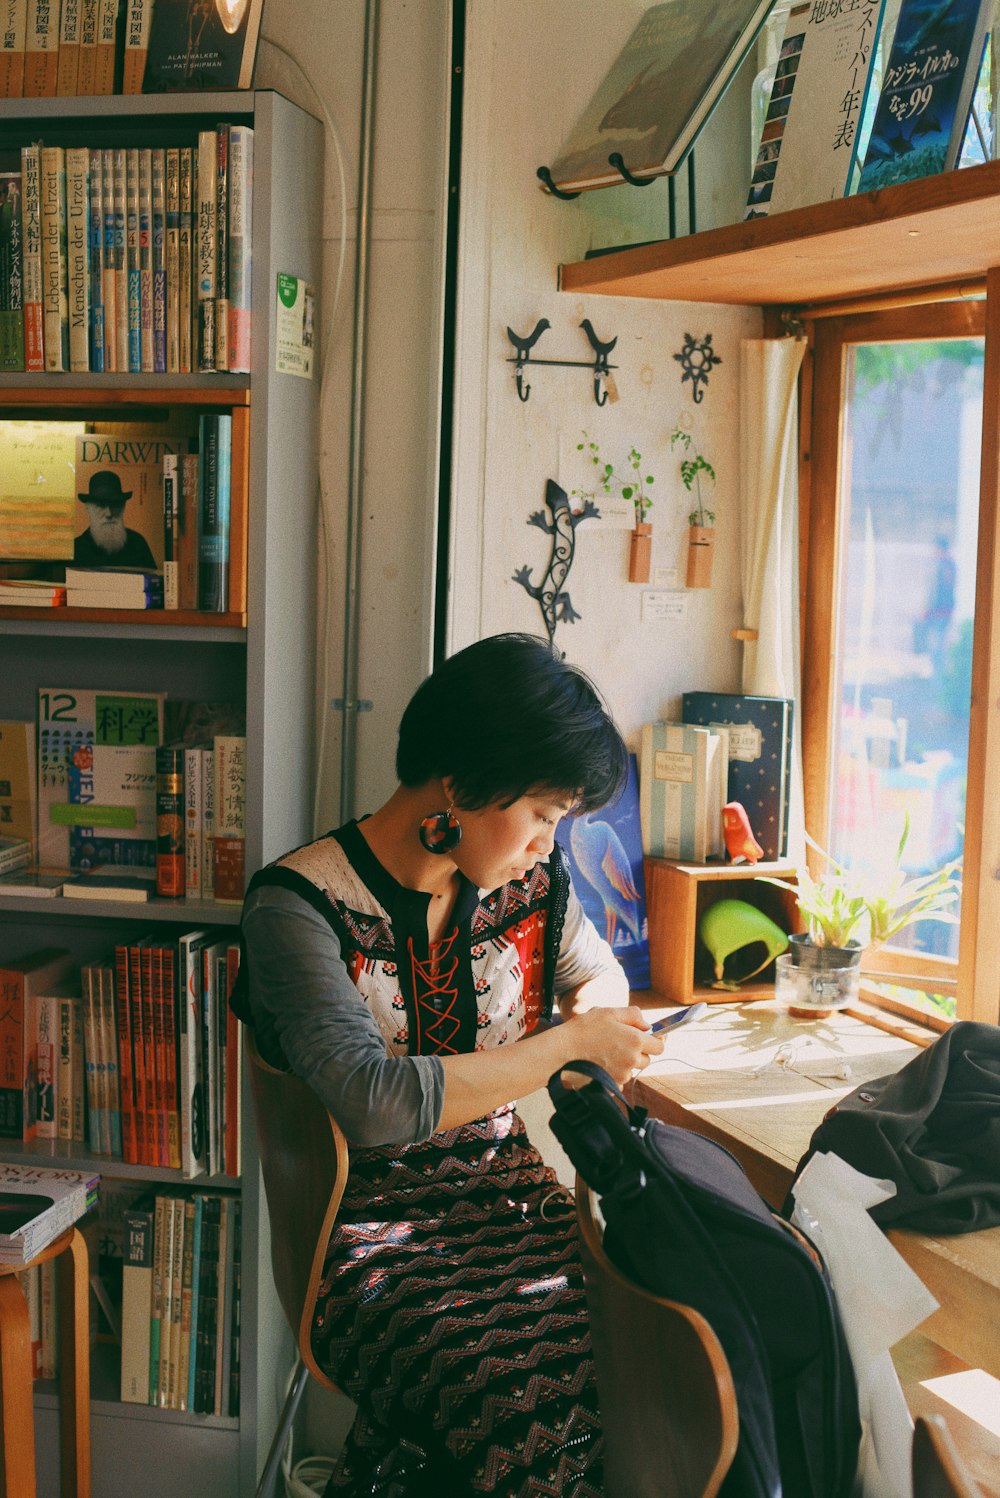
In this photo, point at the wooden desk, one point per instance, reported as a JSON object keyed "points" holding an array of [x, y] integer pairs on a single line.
{"points": [[719, 1077]]}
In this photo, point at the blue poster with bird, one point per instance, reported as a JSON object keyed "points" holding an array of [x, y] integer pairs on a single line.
{"points": [[604, 849]]}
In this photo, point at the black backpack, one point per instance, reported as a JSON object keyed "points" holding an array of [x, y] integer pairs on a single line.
{"points": [[683, 1221]]}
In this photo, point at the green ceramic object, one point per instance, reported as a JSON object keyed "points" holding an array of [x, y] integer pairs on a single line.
{"points": [[730, 926]]}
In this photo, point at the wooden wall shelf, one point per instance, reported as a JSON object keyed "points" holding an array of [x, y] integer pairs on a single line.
{"points": [[937, 230]]}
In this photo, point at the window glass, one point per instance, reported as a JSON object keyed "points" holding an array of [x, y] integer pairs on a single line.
{"points": [[906, 602]]}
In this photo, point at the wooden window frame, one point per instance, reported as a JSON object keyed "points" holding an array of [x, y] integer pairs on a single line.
{"points": [[975, 977]]}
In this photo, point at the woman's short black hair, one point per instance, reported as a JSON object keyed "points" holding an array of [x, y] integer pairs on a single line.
{"points": [[505, 716]]}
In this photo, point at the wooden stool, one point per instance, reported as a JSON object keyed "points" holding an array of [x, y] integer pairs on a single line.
{"points": [[17, 1412]]}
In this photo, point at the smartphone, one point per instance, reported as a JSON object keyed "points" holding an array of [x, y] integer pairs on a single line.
{"points": [[681, 1017]]}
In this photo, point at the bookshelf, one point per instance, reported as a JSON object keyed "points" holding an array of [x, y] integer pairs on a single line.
{"points": [[261, 655]]}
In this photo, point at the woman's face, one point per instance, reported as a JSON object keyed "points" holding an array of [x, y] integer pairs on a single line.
{"points": [[500, 843]]}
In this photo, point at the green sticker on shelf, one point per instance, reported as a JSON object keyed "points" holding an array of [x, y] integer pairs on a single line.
{"points": [[293, 342]]}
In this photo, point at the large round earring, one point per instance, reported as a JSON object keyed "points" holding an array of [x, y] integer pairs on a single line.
{"points": [[441, 832]]}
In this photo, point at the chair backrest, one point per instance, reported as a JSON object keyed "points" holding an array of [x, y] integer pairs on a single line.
{"points": [[304, 1162], [938, 1471], [668, 1407]]}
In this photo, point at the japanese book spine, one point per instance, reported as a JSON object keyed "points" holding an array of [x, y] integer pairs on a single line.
{"points": [[137, 1295], [233, 1121], [31, 179], [222, 247], [108, 1042], [77, 258], [68, 64], [208, 1290], [87, 76], [146, 260], [126, 1064], [176, 1305], [192, 1108], [240, 245], [159, 169], [96, 252], [142, 1059], [17, 1082], [108, 277], [230, 813], [19, 779], [96, 1138], [167, 1308], [208, 825], [41, 51], [187, 1284], [172, 258], [170, 822], [77, 1064], [132, 260], [199, 1230], [152, 969], [224, 1307], [205, 235], [49, 1320], [55, 302], [160, 1247], [170, 1016], [107, 34], [137, 18], [222, 1055], [237, 1277], [187, 538], [171, 505], [193, 791], [31, 1286], [12, 276], [13, 24], [210, 1050], [215, 444], [46, 1032], [185, 258], [64, 1067], [673, 786], [120, 177]]}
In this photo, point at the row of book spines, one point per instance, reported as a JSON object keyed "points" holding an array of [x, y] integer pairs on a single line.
{"points": [[58, 1042], [132, 259], [181, 1304], [197, 520], [81, 48], [201, 853], [38, 1285]]}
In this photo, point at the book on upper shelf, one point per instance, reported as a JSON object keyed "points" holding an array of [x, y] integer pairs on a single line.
{"points": [[809, 140], [197, 46], [760, 755], [604, 849], [15, 852], [37, 1204], [113, 588], [13, 27], [927, 89], [37, 504], [127, 884], [35, 883], [18, 779], [119, 481], [22, 979], [682, 771], [11, 263], [660, 91]]}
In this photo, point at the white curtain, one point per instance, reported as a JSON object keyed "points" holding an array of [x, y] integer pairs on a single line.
{"points": [[769, 555]]}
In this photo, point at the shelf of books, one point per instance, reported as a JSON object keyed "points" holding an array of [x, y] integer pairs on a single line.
{"points": [[157, 620]]}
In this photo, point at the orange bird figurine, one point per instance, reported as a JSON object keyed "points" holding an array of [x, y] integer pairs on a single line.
{"points": [[741, 845]]}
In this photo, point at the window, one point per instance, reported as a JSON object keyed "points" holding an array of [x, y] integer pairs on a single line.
{"points": [[892, 528]]}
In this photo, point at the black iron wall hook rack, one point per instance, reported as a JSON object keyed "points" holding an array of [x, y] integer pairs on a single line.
{"points": [[544, 175], [599, 364]]}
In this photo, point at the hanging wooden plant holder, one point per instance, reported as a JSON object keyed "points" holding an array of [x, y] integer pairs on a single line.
{"points": [[640, 551], [701, 549]]}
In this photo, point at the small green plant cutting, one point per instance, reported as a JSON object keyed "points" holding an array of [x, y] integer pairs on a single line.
{"points": [[701, 520], [636, 490]]}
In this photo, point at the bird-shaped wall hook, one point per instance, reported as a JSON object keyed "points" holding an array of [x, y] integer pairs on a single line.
{"points": [[555, 604], [524, 347], [601, 365]]}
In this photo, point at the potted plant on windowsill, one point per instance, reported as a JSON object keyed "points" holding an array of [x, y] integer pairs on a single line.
{"points": [[701, 520], [635, 490], [848, 913]]}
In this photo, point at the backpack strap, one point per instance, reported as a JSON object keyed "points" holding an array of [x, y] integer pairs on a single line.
{"points": [[559, 888], [599, 1131]]}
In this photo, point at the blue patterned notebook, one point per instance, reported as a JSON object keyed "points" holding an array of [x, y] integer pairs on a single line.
{"points": [[605, 859]]}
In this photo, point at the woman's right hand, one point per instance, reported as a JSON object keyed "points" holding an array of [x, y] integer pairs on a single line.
{"points": [[620, 1040]]}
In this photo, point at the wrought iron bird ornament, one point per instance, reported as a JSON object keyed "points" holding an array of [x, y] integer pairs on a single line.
{"points": [[549, 594]]}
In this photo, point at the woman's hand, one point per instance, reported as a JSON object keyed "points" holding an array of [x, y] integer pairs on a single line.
{"points": [[617, 1039]]}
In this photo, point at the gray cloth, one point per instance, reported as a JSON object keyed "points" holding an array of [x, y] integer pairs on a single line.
{"points": [[308, 1014]]}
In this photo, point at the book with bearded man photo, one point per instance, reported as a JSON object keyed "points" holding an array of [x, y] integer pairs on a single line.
{"points": [[119, 491]]}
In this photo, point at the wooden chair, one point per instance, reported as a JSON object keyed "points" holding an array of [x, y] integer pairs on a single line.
{"points": [[668, 1406], [304, 1162], [17, 1415], [938, 1471]]}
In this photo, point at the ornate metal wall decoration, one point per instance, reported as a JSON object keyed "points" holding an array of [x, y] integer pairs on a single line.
{"points": [[697, 360], [550, 594]]}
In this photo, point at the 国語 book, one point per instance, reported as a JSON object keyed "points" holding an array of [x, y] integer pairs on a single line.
{"points": [[604, 849], [822, 77], [760, 752], [660, 91], [927, 90]]}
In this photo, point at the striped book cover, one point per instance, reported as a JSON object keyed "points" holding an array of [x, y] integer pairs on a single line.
{"points": [[676, 766]]}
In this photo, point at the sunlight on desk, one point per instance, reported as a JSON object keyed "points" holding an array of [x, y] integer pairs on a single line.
{"points": [[975, 1393]]}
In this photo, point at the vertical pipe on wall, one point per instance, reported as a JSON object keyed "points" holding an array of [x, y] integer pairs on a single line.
{"points": [[355, 490]]}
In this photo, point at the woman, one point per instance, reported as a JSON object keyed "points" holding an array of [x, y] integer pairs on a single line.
{"points": [[391, 964]]}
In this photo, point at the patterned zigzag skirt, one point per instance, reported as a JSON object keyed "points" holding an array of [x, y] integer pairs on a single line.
{"points": [[452, 1311]]}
